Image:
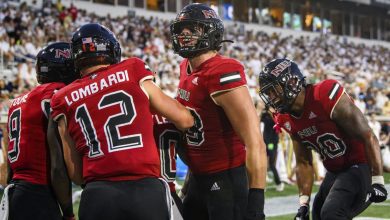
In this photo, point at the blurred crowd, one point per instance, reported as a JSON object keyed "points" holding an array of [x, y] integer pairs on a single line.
{"points": [[363, 70]]}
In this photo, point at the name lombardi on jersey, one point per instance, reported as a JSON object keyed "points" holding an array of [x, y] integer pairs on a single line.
{"points": [[95, 87]]}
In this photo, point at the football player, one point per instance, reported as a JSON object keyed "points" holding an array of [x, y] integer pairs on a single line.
{"points": [[322, 117], [106, 127], [228, 148], [30, 192], [168, 138]]}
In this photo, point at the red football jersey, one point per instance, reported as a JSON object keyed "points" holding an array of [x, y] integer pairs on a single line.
{"points": [[316, 130], [167, 138], [108, 117], [216, 147], [27, 125]]}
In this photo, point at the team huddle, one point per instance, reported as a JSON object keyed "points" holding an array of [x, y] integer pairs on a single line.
{"points": [[103, 124]]}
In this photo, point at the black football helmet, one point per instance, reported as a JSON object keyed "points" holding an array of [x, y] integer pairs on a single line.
{"points": [[54, 64], [280, 83], [206, 30], [94, 41]]}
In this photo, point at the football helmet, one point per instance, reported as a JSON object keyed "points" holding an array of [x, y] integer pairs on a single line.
{"points": [[280, 83], [205, 30], [94, 41], [54, 64]]}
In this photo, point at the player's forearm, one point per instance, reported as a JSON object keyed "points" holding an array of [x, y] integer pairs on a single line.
{"points": [[179, 115], [305, 178], [9, 173], [256, 165], [62, 189], [373, 154], [168, 107], [74, 175]]}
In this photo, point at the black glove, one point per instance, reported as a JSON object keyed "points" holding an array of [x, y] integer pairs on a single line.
{"points": [[255, 208], [303, 212], [378, 193]]}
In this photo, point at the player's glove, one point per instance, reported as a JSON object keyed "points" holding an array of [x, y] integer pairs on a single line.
{"points": [[303, 212], [304, 209], [255, 208], [378, 192]]}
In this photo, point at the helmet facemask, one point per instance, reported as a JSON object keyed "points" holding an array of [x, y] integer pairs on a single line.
{"points": [[192, 38], [280, 92]]}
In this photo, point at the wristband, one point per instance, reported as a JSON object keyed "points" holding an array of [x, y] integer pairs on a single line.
{"points": [[256, 199], [304, 199], [378, 180]]}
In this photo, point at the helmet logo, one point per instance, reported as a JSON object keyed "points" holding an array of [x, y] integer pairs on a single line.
{"points": [[91, 48], [101, 47], [44, 69], [209, 14], [182, 16], [280, 68], [87, 40], [62, 53]]}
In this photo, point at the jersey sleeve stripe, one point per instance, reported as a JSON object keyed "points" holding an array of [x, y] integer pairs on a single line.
{"points": [[337, 101], [229, 77], [226, 90], [142, 80], [334, 91], [57, 118]]}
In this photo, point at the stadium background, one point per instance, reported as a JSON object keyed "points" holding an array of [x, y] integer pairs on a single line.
{"points": [[346, 40]]}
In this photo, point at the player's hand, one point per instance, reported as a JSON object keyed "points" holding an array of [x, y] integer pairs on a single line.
{"points": [[303, 212], [255, 208], [378, 193]]}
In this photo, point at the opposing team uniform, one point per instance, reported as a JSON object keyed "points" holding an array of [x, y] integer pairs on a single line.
{"points": [[344, 157], [108, 117], [215, 153], [167, 138], [28, 155]]}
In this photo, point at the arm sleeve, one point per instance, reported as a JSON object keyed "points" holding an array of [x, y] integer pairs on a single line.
{"points": [[225, 77]]}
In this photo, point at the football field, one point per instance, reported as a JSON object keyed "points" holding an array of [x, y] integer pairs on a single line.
{"points": [[283, 205]]}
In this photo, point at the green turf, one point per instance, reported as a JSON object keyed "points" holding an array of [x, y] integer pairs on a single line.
{"points": [[288, 190], [381, 210], [293, 189], [374, 210]]}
